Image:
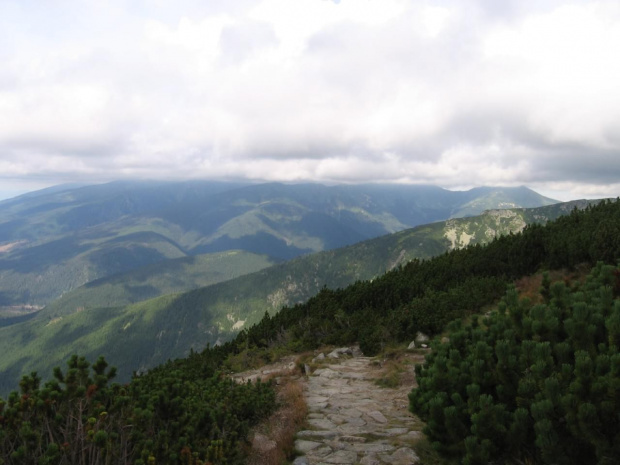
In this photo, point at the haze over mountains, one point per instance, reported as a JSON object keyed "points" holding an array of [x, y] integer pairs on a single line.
{"points": [[57, 239], [107, 315]]}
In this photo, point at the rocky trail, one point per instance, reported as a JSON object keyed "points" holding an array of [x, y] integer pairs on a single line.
{"points": [[351, 420]]}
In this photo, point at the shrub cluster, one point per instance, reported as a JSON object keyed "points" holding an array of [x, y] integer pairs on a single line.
{"points": [[530, 383], [182, 412]]}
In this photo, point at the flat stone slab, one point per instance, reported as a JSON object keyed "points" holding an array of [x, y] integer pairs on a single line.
{"points": [[403, 456], [411, 436], [351, 412], [354, 422], [304, 446], [341, 457], [391, 432], [367, 460], [372, 447], [377, 416], [317, 434], [352, 439], [322, 424]]}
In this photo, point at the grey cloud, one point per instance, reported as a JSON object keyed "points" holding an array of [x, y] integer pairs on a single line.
{"points": [[360, 102]]}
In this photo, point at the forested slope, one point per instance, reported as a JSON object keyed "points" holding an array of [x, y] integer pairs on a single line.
{"points": [[422, 295], [139, 336]]}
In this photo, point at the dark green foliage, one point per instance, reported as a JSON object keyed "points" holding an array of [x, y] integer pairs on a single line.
{"points": [[426, 295], [530, 383], [181, 412]]}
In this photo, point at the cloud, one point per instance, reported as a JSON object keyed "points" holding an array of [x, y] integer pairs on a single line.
{"points": [[450, 93]]}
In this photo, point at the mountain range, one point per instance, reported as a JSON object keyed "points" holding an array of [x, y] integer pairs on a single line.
{"points": [[137, 336], [55, 240]]}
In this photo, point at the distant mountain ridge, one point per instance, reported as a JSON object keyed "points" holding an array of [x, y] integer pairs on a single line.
{"points": [[143, 334], [60, 238]]}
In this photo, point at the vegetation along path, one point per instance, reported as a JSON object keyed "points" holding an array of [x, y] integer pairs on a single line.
{"points": [[352, 420]]}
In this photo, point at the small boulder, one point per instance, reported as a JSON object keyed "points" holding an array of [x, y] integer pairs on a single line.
{"points": [[411, 345], [336, 353]]}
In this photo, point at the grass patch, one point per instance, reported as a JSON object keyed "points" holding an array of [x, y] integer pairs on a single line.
{"points": [[280, 427], [396, 366]]}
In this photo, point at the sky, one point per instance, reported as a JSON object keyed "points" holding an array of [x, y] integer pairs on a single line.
{"points": [[446, 92]]}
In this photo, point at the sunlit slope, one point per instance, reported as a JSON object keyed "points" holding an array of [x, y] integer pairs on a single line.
{"points": [[166, 277]]}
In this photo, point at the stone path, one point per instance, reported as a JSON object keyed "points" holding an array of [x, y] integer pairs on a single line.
{"points": [[353, 421]]}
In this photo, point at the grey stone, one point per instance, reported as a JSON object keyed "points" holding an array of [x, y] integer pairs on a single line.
{"points": [[355, 421], [341, 457], [327, 373], [322, 424], [336, 353], [318, 358], [372, 447], [307, 369], [391, 432], [377, 416], [351, 412], [317, 434], [322, 451], [404, 456], [301, 461], [369, 460], [357, 439], [411, 345], [421, 337], [411, 436], [318, 407], [304, 446]]}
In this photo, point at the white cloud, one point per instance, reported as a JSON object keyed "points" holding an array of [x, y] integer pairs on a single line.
{"points": [[452, 93]]}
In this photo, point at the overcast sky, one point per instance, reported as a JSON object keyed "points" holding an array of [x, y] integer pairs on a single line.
{"points": [[453, 93]]}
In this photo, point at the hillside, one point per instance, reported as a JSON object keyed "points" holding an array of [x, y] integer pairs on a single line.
{"points": [[172, 325], [58, 239], [530, 379], [166, 277]]}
